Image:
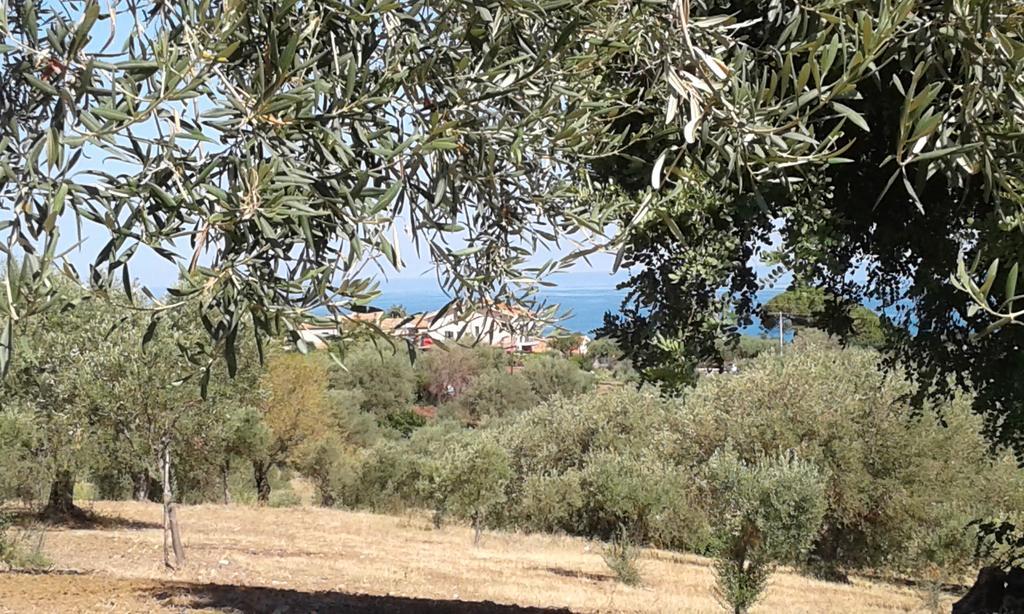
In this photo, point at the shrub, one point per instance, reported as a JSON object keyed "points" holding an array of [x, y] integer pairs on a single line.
{"points": [[549, 376], [403, 421], [763, 514], [443, 373], [284, 498], [551, 502], [23, 476], [383, 375], [604, 350], [468, 480], [589, 464], [620, 555], [494, 394], [21, 549], [639, 492], [558, 435], [888, 467]]}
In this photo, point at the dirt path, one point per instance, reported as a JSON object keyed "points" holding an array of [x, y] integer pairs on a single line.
{"points": [[243, 559]]}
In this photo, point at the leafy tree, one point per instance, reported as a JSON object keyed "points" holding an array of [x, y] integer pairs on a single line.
{"points": [[549, 376], [53, 376], [445, 373], [139, 396], [604, 349], [870, 147], [19, 443], [746, 347], [381, 373], [395, 311], [238, 156], [810, 307], [763, 514], [495, 394], [468, 480], [292, 417], [890, 471], [565, 345]]}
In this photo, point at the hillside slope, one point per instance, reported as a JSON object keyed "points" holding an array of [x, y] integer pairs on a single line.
{"points": [[312, 559]]}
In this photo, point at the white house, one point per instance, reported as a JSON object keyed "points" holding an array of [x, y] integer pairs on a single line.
{"points": [[513, 329]]}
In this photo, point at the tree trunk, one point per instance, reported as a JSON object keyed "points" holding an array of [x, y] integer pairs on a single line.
{"points": [[170, 516], [61, 502], [261, 473], [478, 529], [141, 486], [225, 470]]}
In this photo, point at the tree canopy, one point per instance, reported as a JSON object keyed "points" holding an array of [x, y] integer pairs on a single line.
{"points": [[869, 150], [275, 150], [804, 307]]}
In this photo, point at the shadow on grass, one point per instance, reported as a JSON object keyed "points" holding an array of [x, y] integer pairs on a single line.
{"points": [[582, 575], [946, 587], [257, 600], [81, 519]]}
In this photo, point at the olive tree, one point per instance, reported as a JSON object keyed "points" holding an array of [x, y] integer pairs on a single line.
{"points": [[872, 151], [468, 480], [763, 513], [275, 151]]}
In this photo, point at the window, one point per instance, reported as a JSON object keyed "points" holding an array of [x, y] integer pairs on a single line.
{"points": [[449, 334]]}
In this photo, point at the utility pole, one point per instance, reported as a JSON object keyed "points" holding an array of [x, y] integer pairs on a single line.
{"points": [[782, 336]]}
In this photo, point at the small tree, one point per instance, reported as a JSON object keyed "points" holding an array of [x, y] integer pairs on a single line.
{"points": [[763, 514], [444, 374], [551, 375], [294, 415], [383, 374], [494, 394], [396, 311], [468, 480], [566, 345]]}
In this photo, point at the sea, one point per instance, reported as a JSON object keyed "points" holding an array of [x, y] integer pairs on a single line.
{"points": [[583, 299]]}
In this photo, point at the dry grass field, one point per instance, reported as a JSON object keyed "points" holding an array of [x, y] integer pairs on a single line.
{"points": [[306, 559]]}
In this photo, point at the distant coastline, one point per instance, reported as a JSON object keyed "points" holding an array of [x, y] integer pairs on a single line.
{"points": [[585, 297]]}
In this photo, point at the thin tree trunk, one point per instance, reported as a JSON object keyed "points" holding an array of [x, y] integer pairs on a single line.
{"points": [[225, 470], [261, 473], [171, 531], [478, 529], [142, 486]]}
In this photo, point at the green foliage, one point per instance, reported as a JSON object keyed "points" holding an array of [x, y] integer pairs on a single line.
{"points": [[549, 376], [22, 474], [494, 394], [403, 421], [445, 373], [595, 463], [641, 493], [382, 375], [842, 93], [604, 349], [888, 469], [468, 480], [746, 347], [566, 344], [282, 215], [20, 548], [620, 556], [762, 514], [396, 311], [812, 307], [284, 498]]}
